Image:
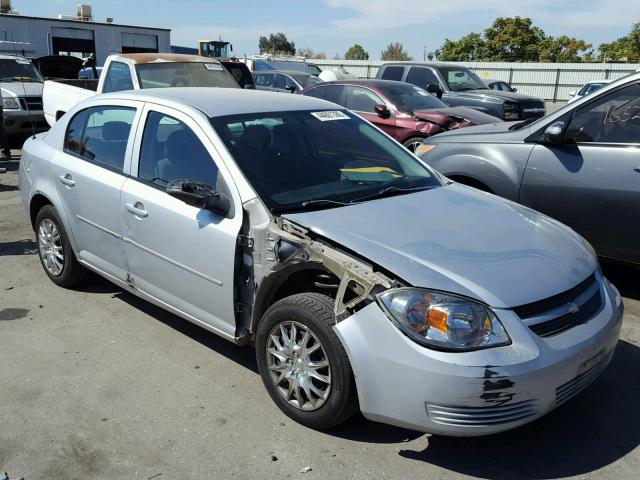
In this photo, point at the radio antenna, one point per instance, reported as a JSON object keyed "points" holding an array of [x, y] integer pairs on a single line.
{"points": [[24, 89]]}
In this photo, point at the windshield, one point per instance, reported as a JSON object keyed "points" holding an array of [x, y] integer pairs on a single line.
{"points": [[323, 159], [306, 80], [409, 99], [461, 78], [184, 74], [19, 70], [590, 87]]}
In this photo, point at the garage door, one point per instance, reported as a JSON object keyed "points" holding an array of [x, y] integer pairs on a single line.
{"points": [[78, 42], [139, 43]]}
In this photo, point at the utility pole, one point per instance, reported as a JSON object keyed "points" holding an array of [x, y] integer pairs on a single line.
{"points": [[424, 53]]}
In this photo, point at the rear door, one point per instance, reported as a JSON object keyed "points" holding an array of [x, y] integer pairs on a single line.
{"points": [[592, 181], [178, 254], [331, 93], [89, 173], [363, 101]]}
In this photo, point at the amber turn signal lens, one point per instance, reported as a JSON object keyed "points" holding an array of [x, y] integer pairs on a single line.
{"points": [[423, 148], [437, 318]]}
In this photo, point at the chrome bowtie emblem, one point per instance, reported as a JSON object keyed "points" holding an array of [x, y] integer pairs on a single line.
{"points": [[573, 308]]}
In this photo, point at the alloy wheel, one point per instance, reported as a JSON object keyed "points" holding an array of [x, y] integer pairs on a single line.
{"points": [[50, 247]]}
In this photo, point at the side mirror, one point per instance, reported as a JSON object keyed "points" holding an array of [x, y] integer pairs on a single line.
{"points": [[201, 195], [514, 90], [291, 88], [572, 93], [382, 111], [553, 133], [434, 89]]}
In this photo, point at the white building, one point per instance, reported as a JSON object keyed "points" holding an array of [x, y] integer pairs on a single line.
{"points": [[78, 35]]}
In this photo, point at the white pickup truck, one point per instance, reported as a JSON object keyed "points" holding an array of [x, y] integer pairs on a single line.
{"points": [[133, 72]]}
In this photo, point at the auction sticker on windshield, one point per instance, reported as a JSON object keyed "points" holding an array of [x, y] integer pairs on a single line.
{"points": [[212, 66], [330, 115]]}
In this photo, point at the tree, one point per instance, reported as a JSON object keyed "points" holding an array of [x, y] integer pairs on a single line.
{"points": [[624, 49], [277, 43], [469, 48], [513, 40], [564, 49], [356, 52], [337, 57], [395, 51], [307, 52]]}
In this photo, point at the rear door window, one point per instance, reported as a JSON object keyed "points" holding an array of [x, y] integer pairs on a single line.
{"points": [[264, 79], [331, 93], [421, 77], [392, 73], [100, 135]]}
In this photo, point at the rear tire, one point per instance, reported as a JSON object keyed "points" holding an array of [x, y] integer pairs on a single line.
{"points": [[54, 250], [413, 143], [318, 397]]}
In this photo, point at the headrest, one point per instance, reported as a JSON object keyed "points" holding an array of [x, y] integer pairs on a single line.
{"points": [[115, 130], [256, 136]]}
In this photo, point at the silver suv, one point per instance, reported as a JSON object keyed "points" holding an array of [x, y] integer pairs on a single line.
{"points": [[363, 279], [580, 165]]}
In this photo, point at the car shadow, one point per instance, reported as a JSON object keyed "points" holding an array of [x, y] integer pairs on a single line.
{"points": [[12, 165], [19, 247], [626, 278], [589, 432], [8, 188]]}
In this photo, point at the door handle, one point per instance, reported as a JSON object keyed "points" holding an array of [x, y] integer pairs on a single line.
{"points": [[67, 180], [137, 209], [636, 169]]}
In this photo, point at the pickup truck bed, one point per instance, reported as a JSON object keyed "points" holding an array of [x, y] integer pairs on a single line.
{"points": [[59, 96]]}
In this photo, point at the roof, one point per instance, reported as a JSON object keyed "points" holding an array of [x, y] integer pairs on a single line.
{"points": [[80, 22], [286, 72], [373, 83], [164, 57], [219, 102], [425, 64]]}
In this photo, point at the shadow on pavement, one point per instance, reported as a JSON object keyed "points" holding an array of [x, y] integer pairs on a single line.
{"points": [[19, 247], [241, 355], [589, 432]]}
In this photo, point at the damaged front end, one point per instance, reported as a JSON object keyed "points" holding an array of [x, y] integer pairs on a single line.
{"points": [[277, 258]]}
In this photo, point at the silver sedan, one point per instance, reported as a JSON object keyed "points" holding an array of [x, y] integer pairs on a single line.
{"points": [[364, 279]]}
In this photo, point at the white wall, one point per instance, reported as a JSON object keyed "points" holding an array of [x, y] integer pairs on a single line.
{"points": [[550, 81]]}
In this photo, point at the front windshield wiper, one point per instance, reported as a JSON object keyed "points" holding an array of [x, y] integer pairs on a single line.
{"points": [[324, 201], [389, 191]]}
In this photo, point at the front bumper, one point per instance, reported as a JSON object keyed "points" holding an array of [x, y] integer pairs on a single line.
{"points": [[475, 393], [19, 121]]}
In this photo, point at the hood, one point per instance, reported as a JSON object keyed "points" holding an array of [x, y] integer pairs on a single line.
{"points": [[460, 240], [446, 115], [19, 89], [505, 96], [497, 132]]}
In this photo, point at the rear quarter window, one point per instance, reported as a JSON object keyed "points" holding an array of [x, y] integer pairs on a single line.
{"points": [[392, 73]]}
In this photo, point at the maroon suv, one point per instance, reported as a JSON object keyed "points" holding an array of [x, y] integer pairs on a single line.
{"points": [[407, 113]]}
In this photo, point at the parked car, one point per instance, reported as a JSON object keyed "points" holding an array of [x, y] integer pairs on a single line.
{"points": [[500, 85], [407, 113], [364, 279], [587, 88], [21, 85], [291, 63], [133, 71], [458, 86], [284, 81], [579, 165], [240, 73]]}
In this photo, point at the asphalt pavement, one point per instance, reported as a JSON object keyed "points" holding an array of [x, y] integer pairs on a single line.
{"points": [[97, 384]]}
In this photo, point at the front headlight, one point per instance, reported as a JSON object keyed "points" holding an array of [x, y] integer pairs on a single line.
{"points": [[10, 103], [443, 321]]}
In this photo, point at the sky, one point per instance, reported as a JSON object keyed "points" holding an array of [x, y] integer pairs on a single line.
{"points": [[332, 26]]}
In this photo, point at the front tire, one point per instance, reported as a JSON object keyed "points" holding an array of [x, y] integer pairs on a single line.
{"points": [[303, 364], [413, 143], [54, 250]]}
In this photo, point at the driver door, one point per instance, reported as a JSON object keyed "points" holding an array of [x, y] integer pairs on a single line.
{"points": [[179, 255], [591, 181]]}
